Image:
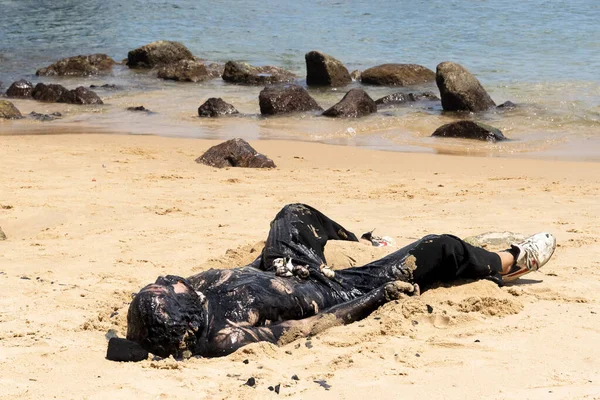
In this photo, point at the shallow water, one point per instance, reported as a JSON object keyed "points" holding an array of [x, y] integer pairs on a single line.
{"points": [[543, 55]]}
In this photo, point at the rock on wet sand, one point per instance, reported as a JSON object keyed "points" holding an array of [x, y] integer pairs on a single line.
{"points": [[45, 117], [8, 110], [470, 130], [235, 153]]}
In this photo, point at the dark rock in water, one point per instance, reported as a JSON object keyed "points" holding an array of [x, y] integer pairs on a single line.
{"points": [[162, 52], [107, 86], [9, 111], [287, 98], [250, 382], [469, 130], [235, 153], [184, 71], [244, 73], [215, 107], [397, 75], [356, 103], [52, 93], [215, 70], [460, 90], [139, 108], [85, 96], [93, 64], [2, 235], [324, 70], [59, 94], [20, 89], [45, 117], [507, 105], [403, 98], [125, 350], [355, 75]]}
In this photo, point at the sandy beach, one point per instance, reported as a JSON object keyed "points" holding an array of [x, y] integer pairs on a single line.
{"points": [[90, 219]]}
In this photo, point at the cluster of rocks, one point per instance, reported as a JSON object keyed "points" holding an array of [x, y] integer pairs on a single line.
{"points": [[52, 93], [459, 90], [235, 153]]}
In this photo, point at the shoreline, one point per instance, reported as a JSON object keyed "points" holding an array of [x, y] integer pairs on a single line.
{"points": [[583, 150]]}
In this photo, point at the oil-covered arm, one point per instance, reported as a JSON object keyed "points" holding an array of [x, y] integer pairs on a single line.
{"points": [[233, 336]]}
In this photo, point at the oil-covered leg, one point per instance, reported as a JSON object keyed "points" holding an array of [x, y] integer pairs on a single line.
{"points": [[297, 238], [434, 258]]}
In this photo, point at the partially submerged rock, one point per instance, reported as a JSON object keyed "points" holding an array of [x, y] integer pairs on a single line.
{"points": [[9, 111], [184, 71], [139, 109], [470, 130], [215, 107], [355, 75], [460, 90], [397, 75], [93, 64], [324, 70], [235, 153], [244, 73], [507, 105], [20, 89], [155, 54], [356, 103], [215, 70], [403, 98], [45, 117], [54, 93], [106, 86], [82, 95], [287, 98]]}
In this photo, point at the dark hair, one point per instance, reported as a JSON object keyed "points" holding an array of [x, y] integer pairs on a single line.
{"points": [[166, 323]]}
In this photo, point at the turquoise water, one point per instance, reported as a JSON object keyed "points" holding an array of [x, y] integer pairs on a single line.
{"points": [[542, 54]]}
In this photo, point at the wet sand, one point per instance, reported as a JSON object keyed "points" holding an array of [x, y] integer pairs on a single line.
{"points": [[92, 218]]}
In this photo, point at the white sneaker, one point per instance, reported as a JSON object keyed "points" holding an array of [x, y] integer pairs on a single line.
{"points": [[534, 252]]}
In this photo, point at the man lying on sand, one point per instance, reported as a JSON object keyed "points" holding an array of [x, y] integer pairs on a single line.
{"points": [[288, 292]]}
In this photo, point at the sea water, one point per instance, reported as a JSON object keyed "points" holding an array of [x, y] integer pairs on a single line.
{"points": [[543, 55]]}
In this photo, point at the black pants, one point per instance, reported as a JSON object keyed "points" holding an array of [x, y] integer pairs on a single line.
{"points": [[301, 232]]}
